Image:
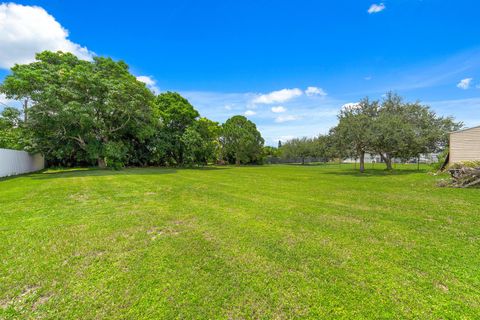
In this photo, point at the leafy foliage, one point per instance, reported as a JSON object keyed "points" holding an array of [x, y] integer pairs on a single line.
{"points": [[12, 131], [201, 142], [406, 130], [355, 129], [97, 112], [392, 129], [299, 149], [241, 141], [82, 111]]}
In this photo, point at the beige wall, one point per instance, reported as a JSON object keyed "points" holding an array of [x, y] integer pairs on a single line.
{"points": [[465, 145]]}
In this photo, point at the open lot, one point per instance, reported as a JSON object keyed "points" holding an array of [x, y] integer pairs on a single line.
{"points": [[270, 242]]}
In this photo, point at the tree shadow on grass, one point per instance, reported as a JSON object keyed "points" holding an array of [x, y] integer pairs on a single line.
{"points": [[309, 164], [95, 172], [347, 169], [375, 172]]}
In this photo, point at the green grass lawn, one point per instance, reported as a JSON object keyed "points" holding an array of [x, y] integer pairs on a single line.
{"points": [[266, 242]]}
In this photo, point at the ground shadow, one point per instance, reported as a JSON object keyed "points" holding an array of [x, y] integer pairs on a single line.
{"points": [[7, 178], [375, 172], [351, 170], [312, 164], [95, 172]]}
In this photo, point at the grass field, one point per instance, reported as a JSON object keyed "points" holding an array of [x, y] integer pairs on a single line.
{"points": [[271, 242]]}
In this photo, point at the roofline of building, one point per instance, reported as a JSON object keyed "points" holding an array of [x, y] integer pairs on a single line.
{"points": [[466, 129]]}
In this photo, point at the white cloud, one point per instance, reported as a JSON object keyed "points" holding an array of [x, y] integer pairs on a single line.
{"points": [[250, 113], [278, 96], [285, 118], [27, 30], [3, 99], [4, 102], [315, 91], [464, 83], [228, 107], [376, 8], [278, 109], [368, 78], [313, 116], [150, 82]]}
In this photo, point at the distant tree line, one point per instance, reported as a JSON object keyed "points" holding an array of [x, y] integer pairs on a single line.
{"points": [[96, 112], [390, 128], [78, 112]]}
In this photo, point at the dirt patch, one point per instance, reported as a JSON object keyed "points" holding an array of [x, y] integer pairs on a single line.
{"points": [[25, 295], [157, 232], [28, 291], [442, 287], [41, 301], [173, 228], [4, 304]]}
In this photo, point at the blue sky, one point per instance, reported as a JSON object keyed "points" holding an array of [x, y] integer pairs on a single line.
{"points": [[288, 65]]}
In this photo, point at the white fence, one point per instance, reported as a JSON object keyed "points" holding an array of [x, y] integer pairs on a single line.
{"points": [[14, 162]]}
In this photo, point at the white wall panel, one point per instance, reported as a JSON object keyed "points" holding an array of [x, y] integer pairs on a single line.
{"points": [[13, 162]]}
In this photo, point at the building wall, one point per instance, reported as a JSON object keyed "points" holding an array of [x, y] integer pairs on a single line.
{"points": [[465, 145], [13, 162], [369, 158]]}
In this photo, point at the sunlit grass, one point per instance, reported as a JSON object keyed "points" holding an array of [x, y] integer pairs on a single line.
{"points": [[269, 242]]}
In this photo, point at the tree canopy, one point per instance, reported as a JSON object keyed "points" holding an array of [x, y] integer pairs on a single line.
{"points": [[392, 129], [241, 141], [82, 111], [78, 112], [354, 131], [97, 113]]}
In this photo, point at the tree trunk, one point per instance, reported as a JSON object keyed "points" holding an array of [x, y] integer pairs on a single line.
{"points": [[388, 162], [387, 159], [102, 163], [25, 110], [303, 160], [362, 162]]}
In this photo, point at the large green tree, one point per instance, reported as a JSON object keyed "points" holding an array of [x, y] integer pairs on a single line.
{"points": [[390, 128], [200, 142], [241, 141], [298, 148], [322, 148], [355, 129], [302, 148], [82, 111], [175, 115], [406, 130]]}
